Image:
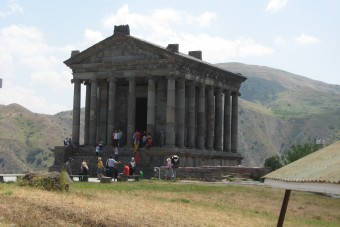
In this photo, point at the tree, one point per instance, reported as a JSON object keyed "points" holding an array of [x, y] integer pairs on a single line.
{"points": [[273, 162], [298, 151], [295, 152]]}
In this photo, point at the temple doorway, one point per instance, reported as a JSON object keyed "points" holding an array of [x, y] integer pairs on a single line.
{"points": [[141, 113]]}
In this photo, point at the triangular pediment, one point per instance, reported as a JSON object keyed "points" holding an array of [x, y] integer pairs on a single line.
{"points": [[119, 49]]}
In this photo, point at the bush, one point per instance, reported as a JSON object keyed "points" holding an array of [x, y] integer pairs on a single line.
{"points": [[273, 162], [49, 181], [298, 151]]}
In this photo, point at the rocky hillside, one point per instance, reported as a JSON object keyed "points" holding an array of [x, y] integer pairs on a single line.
{"points": [[277, 109], [280, 108], [25, 138]]}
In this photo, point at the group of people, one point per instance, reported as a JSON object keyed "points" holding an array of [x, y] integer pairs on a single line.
{"points": [[111, 168], [141, 139], [117, 136], [172, 164], [68, 143]]}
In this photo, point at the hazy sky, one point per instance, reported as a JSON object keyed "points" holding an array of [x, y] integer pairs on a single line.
{"points": [[36, 36]]}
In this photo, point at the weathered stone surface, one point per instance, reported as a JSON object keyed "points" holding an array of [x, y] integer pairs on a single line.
{"points": [[105, 180]]}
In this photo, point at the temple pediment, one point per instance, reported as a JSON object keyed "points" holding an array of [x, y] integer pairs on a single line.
{"points": [[118, 49]]}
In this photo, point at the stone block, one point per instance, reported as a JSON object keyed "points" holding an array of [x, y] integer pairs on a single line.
{"points": [[106, 180]]}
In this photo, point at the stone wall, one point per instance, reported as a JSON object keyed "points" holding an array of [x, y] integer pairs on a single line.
{"points": [[216, 173]]}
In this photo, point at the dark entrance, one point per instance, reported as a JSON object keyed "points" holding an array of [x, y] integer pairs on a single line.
{"points": [[141, 113]]}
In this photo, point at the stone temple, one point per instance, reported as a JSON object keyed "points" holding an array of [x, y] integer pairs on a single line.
{"points": [[189, 106]]}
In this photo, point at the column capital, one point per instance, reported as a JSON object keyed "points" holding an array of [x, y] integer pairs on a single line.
{"points": [[235, 93], [76, 81], [87, 82], [111, 79], [217, 89], [151, 78], [171, 76], [130, 78]]}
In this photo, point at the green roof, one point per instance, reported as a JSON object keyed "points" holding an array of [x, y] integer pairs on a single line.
{"points": [[321, 167]]}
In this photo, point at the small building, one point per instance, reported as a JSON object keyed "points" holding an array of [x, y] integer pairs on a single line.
{"points": [[317, 172], [131, 84]]}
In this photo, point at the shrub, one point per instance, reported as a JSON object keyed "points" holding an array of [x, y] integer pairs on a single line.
{"points": [[273, 162]]}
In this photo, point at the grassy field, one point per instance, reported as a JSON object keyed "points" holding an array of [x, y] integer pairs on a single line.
{"points": [[158, 203]]}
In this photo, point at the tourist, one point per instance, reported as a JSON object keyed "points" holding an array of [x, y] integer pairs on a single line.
{"points": [[66, 142], [126, 170], [120, 137], [84, 168], [67, 167], [175, 165], [135, 138], [149, 142], [144, 139], [115, 149], [132, 166], [97, 152], [114, 138], [100, 168], [169, 171], [100, 144], [112, 166]]}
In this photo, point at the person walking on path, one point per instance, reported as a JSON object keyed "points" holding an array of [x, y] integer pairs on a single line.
{"points": [[132, 166], [67, 167], [112, 166], [84, 168], [169, 171], [100, 168]]}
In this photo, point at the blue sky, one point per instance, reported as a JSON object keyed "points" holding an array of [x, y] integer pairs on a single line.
{"points": [[300, 36]]}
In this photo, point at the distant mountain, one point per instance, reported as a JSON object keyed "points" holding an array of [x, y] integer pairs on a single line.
{"points": [[25, 138], [277, 109]]}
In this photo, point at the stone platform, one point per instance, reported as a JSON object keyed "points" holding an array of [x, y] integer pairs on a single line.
{"points": [[148, 159]]}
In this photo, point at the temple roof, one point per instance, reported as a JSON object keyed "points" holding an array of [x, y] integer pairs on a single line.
{"points": [[181, 62]]}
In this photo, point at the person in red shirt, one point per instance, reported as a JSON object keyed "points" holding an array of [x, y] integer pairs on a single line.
{"points": [[126, 170]]}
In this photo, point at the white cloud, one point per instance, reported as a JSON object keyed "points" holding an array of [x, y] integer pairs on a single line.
{"points": [[22, 41], [275, 5], [28, 98], [35, 68], [280, 41], [13, 9], [306, 39], [159, 18], [160, 28], [92, 37]]}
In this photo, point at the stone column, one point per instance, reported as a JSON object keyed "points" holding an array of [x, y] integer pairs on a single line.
{"points": [[93, 114], [111, 109], [210, 118], [218, 120], [151, 114], [201, 118], [76, 111], [191, 111], [131, 109], [226, 138], [234, 122], [180, 118], [87, 113], [170, 113], [103, 111]]}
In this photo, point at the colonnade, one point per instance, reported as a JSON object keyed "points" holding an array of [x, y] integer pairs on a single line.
{"points": [[212, 125]]}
